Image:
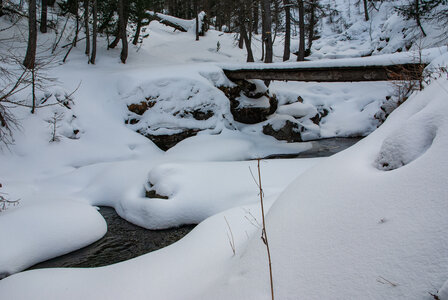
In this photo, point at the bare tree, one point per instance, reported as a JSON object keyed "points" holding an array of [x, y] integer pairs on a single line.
{"points": [[76, 8], [86, 26], [30, 57], [95, 31], [122, 16], [301, 53], [256, 8], [366, 11], [267, 28], [43, 17], [287, 51], [245, 8], [197, 19]]}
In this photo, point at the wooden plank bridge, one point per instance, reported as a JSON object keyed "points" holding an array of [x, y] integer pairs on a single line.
{"points": [[408, 71]]}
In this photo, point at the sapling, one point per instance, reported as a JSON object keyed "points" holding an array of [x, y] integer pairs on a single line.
{"points": [[53, 121], [4, 202]]}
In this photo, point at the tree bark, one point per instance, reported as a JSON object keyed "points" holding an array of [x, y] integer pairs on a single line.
{"points": [[417, 16], [30, 57], [137, 31], [95, 31], [262, 36], [256, 6], [366, 11], [287, 51], [195, 8], [311, 25], [301, 53], [267, 30], [43, 17], [77, 23], [243, 24], [250, 55], [122, 16], [86, 25]]}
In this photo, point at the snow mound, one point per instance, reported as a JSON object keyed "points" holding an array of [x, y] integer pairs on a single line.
{"points": [[443, 292], [406, 144], [21, 230], [174, 104], [344, 230]]}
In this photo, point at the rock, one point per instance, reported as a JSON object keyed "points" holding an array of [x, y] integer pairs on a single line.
{"points": [[141, 107], [321, 113], [200, 115], [249, 114], [290, 132], [166, 141], [153, 194]]}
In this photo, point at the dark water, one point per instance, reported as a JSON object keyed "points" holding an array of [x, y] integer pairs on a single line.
{"points": [[322, 148], [122, 241]]}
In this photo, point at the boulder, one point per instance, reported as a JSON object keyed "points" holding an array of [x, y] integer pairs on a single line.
{"points": [[289, 131], [167, 141]]}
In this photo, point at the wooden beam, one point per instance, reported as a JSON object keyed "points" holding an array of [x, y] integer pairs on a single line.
{"points": [[330, 74]]}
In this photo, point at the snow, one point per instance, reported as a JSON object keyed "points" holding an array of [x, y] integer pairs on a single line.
{"points": [[443, 292], [427, 55], [53, 229], [344, 227]]}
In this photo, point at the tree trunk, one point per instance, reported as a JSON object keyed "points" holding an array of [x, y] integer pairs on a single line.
{"points": [[250, 55], [311, 26], [256, 7], [262, 36], [77, 23], [116, 40], [43, 17], [123, 35], [207, 13], [287, 51], [267, 30], [86, 25], [195, 8], [30, 57], [417, 16], [95, 31], [137, 31], [366, 11], [244, 24], [301, 53]]}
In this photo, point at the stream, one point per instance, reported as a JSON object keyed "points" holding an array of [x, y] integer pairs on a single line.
{"points": [[122, 241], [125, 240]]}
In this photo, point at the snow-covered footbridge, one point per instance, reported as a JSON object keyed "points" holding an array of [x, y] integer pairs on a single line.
{"points": [[398, 66], [330, 74]]}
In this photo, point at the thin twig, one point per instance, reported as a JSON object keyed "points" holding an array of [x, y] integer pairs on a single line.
{"points": [[264, 235], [231, 239]]}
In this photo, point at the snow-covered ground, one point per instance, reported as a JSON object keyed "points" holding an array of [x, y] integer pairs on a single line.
{"points": [[367, 223]]}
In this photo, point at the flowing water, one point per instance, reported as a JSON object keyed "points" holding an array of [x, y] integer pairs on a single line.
{"points": [[124, 240]]}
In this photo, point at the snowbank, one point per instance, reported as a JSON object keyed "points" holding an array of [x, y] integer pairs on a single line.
{"points": [[345, 230], [38, 232]]}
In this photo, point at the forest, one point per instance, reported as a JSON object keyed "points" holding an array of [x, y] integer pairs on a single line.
{"points": [[206, 149]]}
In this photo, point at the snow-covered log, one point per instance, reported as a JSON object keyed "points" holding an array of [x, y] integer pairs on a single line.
{"points": [[178, 23]]}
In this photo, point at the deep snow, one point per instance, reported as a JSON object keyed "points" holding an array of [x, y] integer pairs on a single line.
{"points": [[369, 222]]}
